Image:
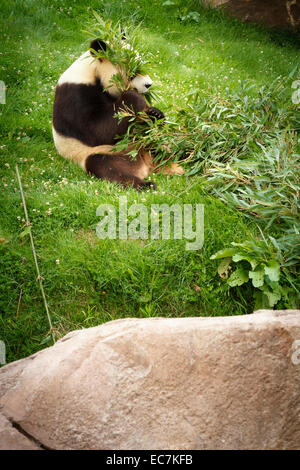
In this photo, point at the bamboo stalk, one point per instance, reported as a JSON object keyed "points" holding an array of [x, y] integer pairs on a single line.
{"points": [[19, 303], [39, 278]]}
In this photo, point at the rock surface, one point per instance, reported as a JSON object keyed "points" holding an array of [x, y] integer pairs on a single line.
{"points": [[182, 383], [277, 13], [12, 439]]}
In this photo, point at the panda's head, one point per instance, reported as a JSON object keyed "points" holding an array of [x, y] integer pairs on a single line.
{"points": [[106, 70]]}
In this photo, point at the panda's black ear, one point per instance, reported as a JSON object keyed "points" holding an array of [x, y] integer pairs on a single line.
{"points": [[98, 45]]}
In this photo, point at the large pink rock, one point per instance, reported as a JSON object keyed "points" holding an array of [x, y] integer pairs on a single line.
{"points": [[277, 13], [182, 383], [12, 439]]}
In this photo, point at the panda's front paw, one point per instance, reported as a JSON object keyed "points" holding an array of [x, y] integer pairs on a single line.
{"points": [[156, 113]]}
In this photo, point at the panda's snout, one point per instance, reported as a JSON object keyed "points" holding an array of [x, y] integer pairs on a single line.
{"points": [[141, 83]]}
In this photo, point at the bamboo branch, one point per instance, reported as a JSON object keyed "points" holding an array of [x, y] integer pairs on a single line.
{"points": [[39, 278]]}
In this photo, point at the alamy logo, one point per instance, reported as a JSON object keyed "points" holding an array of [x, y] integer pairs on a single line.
{"points": [[296, 93], [2, 352], [161, 222], [2, 92], [296, 352]]}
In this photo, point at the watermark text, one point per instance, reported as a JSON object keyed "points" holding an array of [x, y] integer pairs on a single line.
{"points": [[160, 221]]}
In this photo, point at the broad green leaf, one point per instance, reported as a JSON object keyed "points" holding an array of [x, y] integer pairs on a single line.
{"points": [[239, 257], [225, 253], [273, 270], [239, 277], [273, 297], [261, 301], [224, 266], [257, 277]]}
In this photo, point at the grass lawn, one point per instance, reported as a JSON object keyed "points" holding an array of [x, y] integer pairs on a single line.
{"points": [[88, 281]]}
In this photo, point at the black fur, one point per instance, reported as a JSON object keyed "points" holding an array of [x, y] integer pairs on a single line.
{"points": [[85, 112], [156, 113], [118, 168], [98, 45]]}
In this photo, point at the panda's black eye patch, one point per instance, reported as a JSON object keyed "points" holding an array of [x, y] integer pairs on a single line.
{"points": [[98, 45]]}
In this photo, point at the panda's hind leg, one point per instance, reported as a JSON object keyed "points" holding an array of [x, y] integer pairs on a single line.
{"points": [[120, 169]]}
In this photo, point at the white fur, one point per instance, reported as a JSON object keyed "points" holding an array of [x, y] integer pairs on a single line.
{"points": [[140, 82], [73, 149], [86, 70]]}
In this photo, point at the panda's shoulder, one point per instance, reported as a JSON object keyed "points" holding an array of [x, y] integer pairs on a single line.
{"points": [[82, 71]]}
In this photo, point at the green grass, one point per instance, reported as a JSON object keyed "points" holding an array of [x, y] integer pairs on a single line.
{"points": [[97, 281]]}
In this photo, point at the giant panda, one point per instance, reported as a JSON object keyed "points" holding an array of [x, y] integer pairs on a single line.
{"points": [[84, 127]]}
